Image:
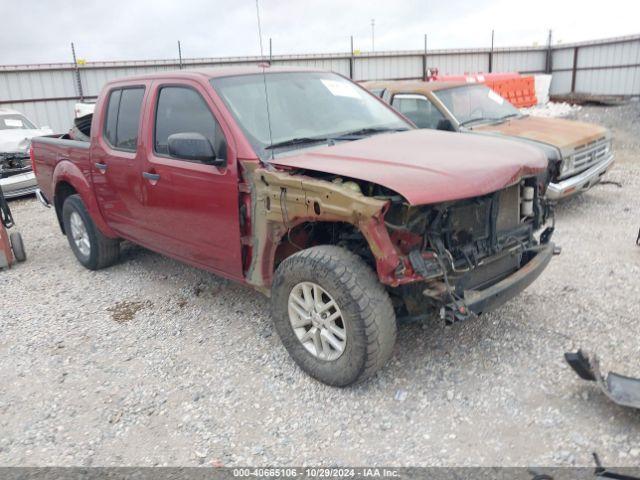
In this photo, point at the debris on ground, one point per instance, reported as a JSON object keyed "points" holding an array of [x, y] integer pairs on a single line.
{"points": [[604, 472], [620, 389], [552, 109]]}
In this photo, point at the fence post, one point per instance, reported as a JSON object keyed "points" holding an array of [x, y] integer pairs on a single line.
{"points": [[491, 54], [351, 60], [575, 68], [548, 67], [179, 56], [424, 60], [77, 72]]}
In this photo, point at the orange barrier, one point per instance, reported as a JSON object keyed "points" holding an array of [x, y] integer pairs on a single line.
{"points": [[521, 92]]}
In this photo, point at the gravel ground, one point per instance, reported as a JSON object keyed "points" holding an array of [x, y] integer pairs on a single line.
{"points": [[155, 363]]}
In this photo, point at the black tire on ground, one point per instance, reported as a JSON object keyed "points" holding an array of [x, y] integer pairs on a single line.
{"points": [[103, 251], [18, 247], [369, 318]]}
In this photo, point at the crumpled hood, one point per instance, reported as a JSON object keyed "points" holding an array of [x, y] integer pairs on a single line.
{"points": [[561, 133], [17, 140], [426, 166]]}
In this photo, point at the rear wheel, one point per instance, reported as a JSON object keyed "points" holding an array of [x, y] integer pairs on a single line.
{"points": [[18, 247], [90, 246], [334, 317]]}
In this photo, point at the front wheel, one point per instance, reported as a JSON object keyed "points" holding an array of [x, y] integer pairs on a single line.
{"points": [[332, 314], [90, 246]]}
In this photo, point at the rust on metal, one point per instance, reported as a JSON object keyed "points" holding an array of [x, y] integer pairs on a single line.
{"points": [[280, 201]]}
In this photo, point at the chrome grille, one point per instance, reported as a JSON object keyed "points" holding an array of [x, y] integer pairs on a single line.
{"points": [[590, 154]]}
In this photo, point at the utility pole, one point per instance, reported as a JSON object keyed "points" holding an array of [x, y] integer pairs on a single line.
{"points": [[352, 60], [373, 35], [424, 60], [548, 65], [77, 71], [179, 55], [491, 53]]}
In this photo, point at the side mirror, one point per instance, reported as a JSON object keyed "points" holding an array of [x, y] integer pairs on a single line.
{"points": [[446, 125], [193, 146]]}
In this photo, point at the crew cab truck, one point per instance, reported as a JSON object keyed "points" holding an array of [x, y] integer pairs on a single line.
{"points": [[579, 153], [305, 186]]}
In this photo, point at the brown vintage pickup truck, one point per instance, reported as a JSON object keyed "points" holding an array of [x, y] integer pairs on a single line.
{"points": [[579, 153]]}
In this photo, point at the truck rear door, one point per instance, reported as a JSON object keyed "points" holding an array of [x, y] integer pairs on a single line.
{"points": [[191, 208], [116, 160]]}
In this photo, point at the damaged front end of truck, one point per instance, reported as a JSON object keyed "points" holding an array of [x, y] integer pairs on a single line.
{"points": [[454, 258]]}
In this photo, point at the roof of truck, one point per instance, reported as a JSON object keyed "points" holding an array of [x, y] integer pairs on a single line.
{"points": [[215, 72], [411, 86]]}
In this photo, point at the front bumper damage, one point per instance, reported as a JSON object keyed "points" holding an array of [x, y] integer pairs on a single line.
{"points": [[459, 302], [479, 301], [620, 389]]}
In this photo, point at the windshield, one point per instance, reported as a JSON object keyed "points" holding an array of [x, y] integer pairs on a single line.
{"points": [[14, 121], [303, 107], [475, 103]]}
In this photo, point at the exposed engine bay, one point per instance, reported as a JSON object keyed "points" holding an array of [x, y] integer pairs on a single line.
{"points": [[432, 258], [469, 244], [14, 163]]}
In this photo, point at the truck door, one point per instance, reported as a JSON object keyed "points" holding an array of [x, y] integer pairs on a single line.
{"points": [[115, 161], [191, 207]]}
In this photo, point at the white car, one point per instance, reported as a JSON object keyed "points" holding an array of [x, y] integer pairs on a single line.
{"points": [[16, 132]]}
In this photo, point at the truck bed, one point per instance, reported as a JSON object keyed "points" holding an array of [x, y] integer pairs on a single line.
{"points": [[49, 150]]}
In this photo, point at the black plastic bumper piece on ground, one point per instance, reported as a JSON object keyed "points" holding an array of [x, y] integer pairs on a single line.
{"points": [[479, 301], [580, 364], [620, 389]]}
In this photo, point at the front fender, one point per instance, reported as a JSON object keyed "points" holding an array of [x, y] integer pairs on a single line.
{"points": [[70, 173], [280, 201]]}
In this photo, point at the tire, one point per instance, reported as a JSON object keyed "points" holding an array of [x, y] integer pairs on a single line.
{"points": [[18, 247], [367, 315], [102, 251]]}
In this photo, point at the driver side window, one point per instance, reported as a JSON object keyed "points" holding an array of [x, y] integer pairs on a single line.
{"points": [[183, 110], [418, 109]]}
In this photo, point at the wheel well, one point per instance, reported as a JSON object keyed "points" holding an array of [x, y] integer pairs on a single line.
{"points": [[63, 191], [311, 234]]}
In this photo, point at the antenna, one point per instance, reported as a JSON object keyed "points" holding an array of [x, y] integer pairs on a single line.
{"points": [[264, 78], [373, 35]]}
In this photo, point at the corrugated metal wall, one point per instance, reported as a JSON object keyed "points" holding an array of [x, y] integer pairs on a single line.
{"points": [[47, 93], [605, 67]]}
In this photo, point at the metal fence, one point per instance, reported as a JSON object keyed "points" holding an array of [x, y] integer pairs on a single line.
{"points": [[47, 92]]}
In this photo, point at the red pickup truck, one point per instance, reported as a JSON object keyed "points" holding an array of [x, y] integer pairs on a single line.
{"points": [[308, 188]]}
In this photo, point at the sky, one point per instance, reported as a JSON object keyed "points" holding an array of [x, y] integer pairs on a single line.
{"points": [[40, 31]]}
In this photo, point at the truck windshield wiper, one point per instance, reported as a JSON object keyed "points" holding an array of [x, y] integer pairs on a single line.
{"points": [[362, 132], [354, 135], [472, 120], [296, 141], [489, 119]]}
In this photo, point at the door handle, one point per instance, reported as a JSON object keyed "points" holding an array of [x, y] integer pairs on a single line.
{"points": [[154, 177], [101, 166]]}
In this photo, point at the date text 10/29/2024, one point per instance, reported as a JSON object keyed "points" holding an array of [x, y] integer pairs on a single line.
{"points": [[314, 472]]}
